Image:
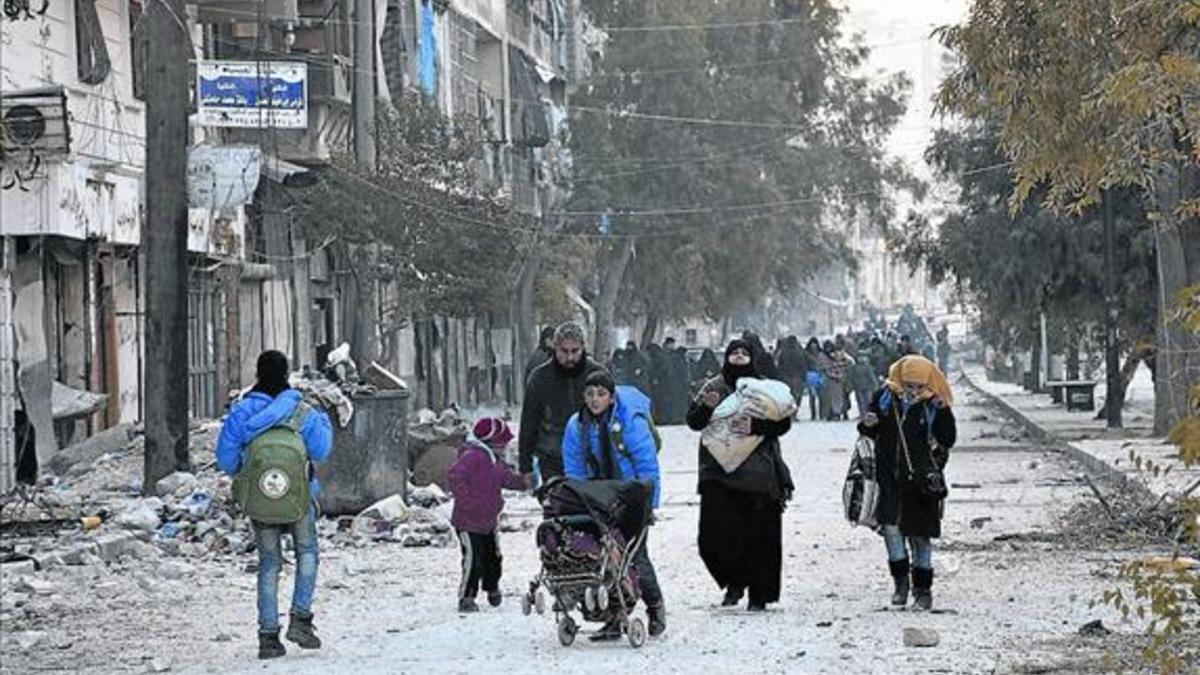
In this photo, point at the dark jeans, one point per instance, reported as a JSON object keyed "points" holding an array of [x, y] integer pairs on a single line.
{"points": [[480, 563], [647, 578]]}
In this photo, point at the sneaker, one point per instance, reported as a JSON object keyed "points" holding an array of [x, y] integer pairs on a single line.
{"points": [[733, 595], [657, 616], [269, 646], [495, 598], [467, 605], [608, 632]]}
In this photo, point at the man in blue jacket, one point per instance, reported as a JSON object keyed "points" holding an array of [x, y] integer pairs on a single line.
{"points": [[270, 404], [611, 438]]}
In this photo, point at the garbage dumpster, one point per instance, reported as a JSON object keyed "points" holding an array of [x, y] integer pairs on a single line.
{"points": [[370, 456]]}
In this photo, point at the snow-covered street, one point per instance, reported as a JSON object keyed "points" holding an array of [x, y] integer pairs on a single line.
{"points": [[1000, 606]]}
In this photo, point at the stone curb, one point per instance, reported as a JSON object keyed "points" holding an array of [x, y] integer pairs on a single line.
{"points": [[1092, 463]]}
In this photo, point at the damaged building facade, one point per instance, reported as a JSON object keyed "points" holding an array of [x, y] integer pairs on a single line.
{"points": [[71, 208]]}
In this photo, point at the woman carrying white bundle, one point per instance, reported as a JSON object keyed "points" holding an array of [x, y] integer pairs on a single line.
{"points": [[740, 510]]}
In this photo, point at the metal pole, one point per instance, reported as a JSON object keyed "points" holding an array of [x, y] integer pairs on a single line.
{"points": [[1114, 389], [364, 83], [164, 237]]}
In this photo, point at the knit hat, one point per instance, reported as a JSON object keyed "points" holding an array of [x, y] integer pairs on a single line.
{"points": [[492, 431], [601, 378]]}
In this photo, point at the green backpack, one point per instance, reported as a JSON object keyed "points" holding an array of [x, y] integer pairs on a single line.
{"points": [[272, 486]]}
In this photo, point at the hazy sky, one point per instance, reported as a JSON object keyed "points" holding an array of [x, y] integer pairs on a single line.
{"points": [[899, 33]]}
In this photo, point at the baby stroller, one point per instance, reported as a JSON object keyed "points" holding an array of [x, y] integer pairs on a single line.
{"points": [[587, 539]]}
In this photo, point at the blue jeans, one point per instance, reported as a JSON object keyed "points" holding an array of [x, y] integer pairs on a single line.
{"points": [[922, 547], [270, 561]]}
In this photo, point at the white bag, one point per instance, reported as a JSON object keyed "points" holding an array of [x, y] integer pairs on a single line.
{"points": [[860, 492], [755, 398]]}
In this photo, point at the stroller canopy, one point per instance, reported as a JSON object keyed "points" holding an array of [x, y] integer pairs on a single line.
{"points": [[623, 504]]}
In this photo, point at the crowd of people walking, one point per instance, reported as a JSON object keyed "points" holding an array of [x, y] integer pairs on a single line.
{"points": [[585, 421]]}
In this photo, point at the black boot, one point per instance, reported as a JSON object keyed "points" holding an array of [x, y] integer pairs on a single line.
{"points": [[899, 570], [657, 615], [733, 595], [269, 646], [302, 632], [922, 588]]}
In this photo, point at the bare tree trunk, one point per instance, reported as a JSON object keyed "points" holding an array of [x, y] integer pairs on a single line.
{"points": [[523, 314], [650, 330], [615, 264], [1178, 257]]}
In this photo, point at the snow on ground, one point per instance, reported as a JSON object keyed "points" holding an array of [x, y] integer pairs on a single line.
{"points": [[386, 609]]}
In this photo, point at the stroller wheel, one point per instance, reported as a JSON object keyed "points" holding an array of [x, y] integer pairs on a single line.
{"points": [[566, 631], [637, 633], [526, 605], [602, 598], [539, 602]]}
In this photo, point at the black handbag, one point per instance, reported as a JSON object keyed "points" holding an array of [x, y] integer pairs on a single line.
{"points": [[932, 483]]}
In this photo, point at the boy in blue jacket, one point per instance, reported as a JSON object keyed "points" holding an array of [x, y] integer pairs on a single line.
{"points": [[610, 438], [271, 403]]}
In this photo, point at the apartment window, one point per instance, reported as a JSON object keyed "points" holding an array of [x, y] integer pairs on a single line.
{"points": [[464, 64]]}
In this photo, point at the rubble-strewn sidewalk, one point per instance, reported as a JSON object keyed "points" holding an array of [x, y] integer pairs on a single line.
{"points": [[1086, 439]]}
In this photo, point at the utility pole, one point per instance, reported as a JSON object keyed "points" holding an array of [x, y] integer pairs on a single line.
{"points": [[1114, 387], [364, 83], [364, 344], [164, 238]]}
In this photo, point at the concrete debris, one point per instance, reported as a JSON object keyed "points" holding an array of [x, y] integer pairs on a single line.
{"points": [[920, 637], [34, 587], [379, 519], [106, 442], [69, 403], [174, 571], [114, 546], [428, 496], [141, 516], [160, 665], [28, 640], [17, 568], [177, 484]]}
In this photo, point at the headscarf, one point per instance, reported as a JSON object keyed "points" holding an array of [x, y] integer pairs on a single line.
{"points": [[920, 370], [732, 373]]}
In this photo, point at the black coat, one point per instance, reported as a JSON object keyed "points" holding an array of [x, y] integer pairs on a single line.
{"points": [[764, 471], [900, 500], [552, 395]]}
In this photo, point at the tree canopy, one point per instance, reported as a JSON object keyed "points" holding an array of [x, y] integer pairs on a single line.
{"points": [[730, 152]]}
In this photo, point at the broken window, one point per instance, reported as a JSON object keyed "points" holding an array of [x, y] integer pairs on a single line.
{"points": [[91, 54]]}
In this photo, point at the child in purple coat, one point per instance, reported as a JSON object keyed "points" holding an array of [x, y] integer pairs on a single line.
{"points": [[476, 478]]}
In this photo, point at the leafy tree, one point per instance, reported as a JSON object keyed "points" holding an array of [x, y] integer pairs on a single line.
{"points": [[1015, 265], [708, 217], [1094, 94]]}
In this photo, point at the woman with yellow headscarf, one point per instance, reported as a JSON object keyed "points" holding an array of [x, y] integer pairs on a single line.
{"points": [[912, 423]]}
